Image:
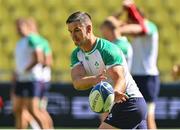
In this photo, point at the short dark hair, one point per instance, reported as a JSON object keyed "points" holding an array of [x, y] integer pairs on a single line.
{"points": [[78, 17], [20, 21], [108, 24]]}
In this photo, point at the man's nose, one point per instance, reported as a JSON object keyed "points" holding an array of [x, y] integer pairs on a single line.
{"points": [[72, 34]]}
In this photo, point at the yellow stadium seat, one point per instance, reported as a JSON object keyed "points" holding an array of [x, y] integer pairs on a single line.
{"points": [[171, 4]]}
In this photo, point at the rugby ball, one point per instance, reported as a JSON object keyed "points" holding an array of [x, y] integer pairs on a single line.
{"points": [[101, 97]]}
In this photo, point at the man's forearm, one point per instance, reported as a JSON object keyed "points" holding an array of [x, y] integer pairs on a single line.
{"points": [[31, 65], [120, 85], [85, 82], [132, 10]]}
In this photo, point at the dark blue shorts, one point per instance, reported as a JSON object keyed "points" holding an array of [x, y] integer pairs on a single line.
{"points": [[46, 86], [129, 114], [149, 87], [28, 89]]}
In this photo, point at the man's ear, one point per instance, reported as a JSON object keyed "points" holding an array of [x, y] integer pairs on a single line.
{"points": [[89, 28]]}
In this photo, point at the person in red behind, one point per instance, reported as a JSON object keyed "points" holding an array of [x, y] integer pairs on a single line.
{"points": [[145, 40]]}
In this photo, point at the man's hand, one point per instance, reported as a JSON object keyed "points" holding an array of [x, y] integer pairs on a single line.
{"points": [[101, 77], [120, 97], [127, 3]]}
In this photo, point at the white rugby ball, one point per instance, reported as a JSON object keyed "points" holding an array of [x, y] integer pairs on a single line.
{"points": [[101, 97]]}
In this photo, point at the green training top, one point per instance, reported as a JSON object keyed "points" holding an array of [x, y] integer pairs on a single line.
{"points": [[103, 56], [35, 39]]}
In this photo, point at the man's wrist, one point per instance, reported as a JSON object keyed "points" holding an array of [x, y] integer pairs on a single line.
{"points": [[96, 79]]}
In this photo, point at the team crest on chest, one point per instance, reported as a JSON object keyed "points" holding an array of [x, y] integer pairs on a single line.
{"points": [[96, 65]]}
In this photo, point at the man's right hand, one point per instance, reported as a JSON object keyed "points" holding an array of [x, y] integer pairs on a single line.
{"points": [[101, 77], [120, 97]]}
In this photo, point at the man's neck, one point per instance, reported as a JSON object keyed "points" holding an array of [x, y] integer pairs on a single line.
{"points": [[89, 45], [114, 36], [117, 34]]}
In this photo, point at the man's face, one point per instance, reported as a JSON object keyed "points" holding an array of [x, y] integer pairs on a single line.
{"points": [[78, 33], [22, 29]]}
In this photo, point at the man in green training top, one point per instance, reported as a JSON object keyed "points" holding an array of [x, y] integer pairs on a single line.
{"points": [[27, 78], [35, 37], [94, 56], [35, 111]]}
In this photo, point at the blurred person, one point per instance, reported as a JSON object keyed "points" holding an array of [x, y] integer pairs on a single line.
{"points": [[27, 78], [93, 61], [46, 74], [46, 71], [110, 31], [145, 53]]}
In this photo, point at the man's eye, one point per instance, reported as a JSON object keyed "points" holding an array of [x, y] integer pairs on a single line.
{"points": [[77, 30]]}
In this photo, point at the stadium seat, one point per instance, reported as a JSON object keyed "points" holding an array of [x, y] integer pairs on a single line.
{"points": [[171, 4]]}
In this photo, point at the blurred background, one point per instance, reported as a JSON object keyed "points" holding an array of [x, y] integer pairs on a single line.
{"points": [[51, 16]]}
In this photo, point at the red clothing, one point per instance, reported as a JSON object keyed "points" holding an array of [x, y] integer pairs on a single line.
{"points": [[134, 13]]}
